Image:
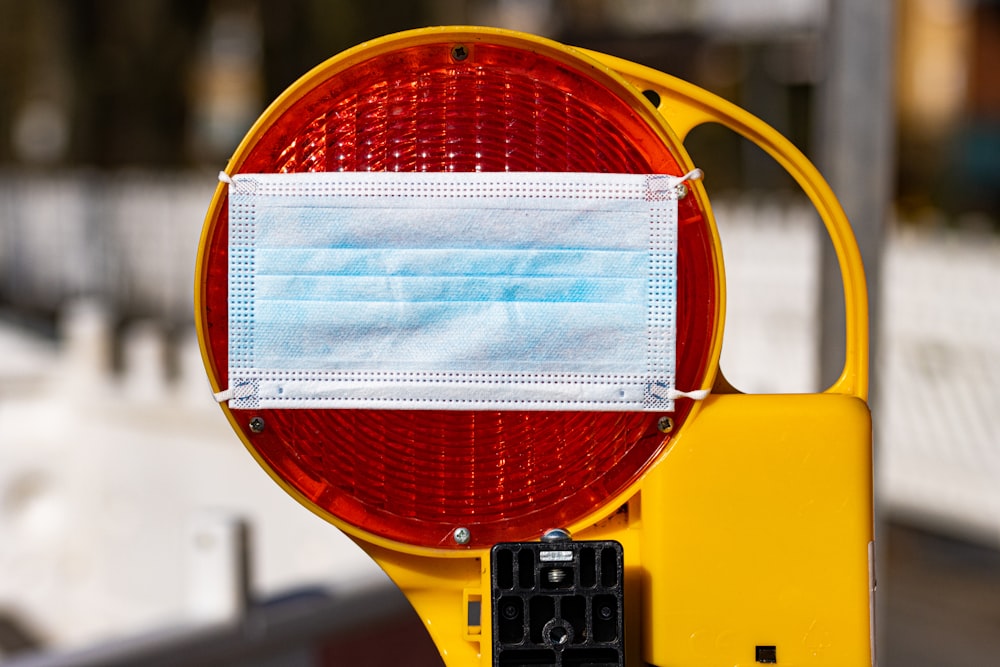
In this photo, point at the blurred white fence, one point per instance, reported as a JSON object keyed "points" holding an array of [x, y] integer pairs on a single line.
{"points": [[128, 239], [936, 400], [131, 240], [938, 419]]}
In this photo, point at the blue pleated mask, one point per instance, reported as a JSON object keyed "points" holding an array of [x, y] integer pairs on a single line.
{"points": [[519, 291]]}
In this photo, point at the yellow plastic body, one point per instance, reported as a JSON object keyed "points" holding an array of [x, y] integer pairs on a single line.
{"points": [[757, 521], [754, 528]]}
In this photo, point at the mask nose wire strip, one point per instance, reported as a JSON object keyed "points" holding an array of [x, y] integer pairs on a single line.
{"points": [[693, 175]]}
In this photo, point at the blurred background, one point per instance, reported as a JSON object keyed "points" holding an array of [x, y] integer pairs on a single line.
{"points": [[133, 525]]}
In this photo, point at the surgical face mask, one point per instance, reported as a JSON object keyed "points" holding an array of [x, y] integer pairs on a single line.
{"points": [[508, 291]]}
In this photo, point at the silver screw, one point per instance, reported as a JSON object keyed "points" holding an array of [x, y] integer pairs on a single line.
{"points": [[557, 575], [556, 535], [462, 536], [257, 424]]}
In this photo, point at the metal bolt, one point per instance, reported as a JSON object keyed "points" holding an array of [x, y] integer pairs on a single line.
{"points": [[559, 635], [665, 424], [557, 632], [682, 191], [462, 536], [257, 424], [556, 535], [459, 52], [557, 575], [606, 613]]}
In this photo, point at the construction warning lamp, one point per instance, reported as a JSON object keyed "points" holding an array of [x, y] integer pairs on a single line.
{"points": [[460, 293]]}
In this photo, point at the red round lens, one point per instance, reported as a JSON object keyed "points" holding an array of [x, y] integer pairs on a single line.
{"points": [[414, 477]]}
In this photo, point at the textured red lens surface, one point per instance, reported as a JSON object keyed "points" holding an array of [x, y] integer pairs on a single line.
{"points": [[414, 477]]}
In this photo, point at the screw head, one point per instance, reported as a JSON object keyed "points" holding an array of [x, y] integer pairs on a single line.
{"points": [[556, 535], [559, 635], [462, 535], [460, 52], [257, 424], [665, 424]]}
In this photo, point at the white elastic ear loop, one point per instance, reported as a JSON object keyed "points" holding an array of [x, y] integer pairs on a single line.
{"points": [[224, 395], [674, 181], [697, 394], [668, 184], [693, 175], [225, 178], [242, 390]]}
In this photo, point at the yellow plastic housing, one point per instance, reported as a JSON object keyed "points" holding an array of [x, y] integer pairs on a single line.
{"points": [[574, 58], [754, 527]]}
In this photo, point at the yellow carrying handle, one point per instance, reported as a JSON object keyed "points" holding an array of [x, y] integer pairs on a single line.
{"points": [[685, 107]]}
